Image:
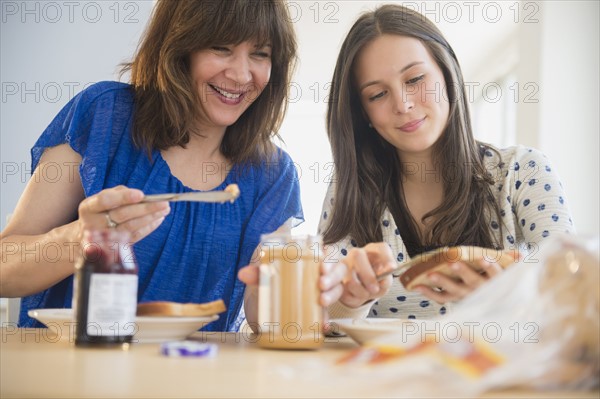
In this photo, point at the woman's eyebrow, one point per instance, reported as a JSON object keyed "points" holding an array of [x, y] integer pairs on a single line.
{"points": [[374, 82]]}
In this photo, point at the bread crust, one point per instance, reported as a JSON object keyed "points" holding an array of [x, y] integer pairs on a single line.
{"points": [[438, 261], [174, 309]]}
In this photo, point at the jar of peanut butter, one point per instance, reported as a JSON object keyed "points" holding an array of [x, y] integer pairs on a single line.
{"points": [[289, 313]]}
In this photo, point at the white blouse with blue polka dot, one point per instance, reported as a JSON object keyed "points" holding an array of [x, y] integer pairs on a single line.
{"points": [[533, 208]]}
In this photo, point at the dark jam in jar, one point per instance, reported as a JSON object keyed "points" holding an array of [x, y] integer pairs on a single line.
{"points": [[105, 291]]}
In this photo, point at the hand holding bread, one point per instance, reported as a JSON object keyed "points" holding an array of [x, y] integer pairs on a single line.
{"points": [[439, 261], [451, 273]]}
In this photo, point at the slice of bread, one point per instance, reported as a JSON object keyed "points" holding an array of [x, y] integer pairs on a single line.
{"points": [[175, 309], [439, 260]]}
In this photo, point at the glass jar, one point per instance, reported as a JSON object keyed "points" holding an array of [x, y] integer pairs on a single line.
{"points": [[289, 313], [105, 291]]}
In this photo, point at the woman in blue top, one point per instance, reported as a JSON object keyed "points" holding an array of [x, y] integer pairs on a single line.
{"points": [[208, 91]]}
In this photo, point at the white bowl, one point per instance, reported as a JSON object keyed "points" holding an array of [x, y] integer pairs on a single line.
{"points": [[61, 325], [365, 330]]}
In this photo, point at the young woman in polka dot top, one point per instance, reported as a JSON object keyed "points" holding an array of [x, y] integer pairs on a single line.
{"points": [[410, 177]]}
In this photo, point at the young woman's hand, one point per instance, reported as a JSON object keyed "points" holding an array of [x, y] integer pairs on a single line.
{"points": [[454, 289], [360, 285], [120, 208]]}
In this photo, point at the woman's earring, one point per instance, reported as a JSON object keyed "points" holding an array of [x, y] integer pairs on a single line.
{"points": [[370, 125]]}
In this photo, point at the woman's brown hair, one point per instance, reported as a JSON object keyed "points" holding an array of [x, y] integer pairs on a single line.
{"points": [[166, 100], [368, 169]]}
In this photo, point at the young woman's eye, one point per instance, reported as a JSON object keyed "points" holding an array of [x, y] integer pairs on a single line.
{"points": [[415, 80], [377, 96]]}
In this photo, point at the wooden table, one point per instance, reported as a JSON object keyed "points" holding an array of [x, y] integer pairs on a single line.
{"points": [[34, 366]]}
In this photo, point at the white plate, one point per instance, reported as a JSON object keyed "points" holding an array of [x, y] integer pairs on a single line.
{"points": [[364, 330], [60, 323]]}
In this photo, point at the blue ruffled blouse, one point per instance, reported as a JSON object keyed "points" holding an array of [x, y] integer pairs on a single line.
{"points": [[195, 254]]}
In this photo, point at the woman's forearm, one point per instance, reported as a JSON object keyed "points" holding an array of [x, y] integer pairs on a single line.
{"points": [[251, 306], [32, 263]]}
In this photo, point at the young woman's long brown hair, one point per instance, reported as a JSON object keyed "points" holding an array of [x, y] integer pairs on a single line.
{"points": [[167, 102], [368, 170]]}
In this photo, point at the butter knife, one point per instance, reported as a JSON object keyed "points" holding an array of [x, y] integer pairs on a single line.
{"points": [[398, 270], [201, 196]]}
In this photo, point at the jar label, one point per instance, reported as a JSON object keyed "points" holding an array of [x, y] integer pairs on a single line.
{"points": [[112, 304]]}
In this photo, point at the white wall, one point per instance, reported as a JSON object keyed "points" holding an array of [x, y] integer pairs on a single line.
{"points": [[559, 56], [569, 103], [51, 50]]}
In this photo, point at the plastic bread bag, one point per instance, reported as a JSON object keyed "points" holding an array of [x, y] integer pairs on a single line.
{"points": [[556, 343], [535, 326]]}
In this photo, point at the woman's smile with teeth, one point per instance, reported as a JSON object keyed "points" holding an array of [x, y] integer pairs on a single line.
{"points": [[228, 80], [227, 94]]}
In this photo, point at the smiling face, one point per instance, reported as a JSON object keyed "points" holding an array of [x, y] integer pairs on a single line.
{"points": [[402, 91], [228, 79]]}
